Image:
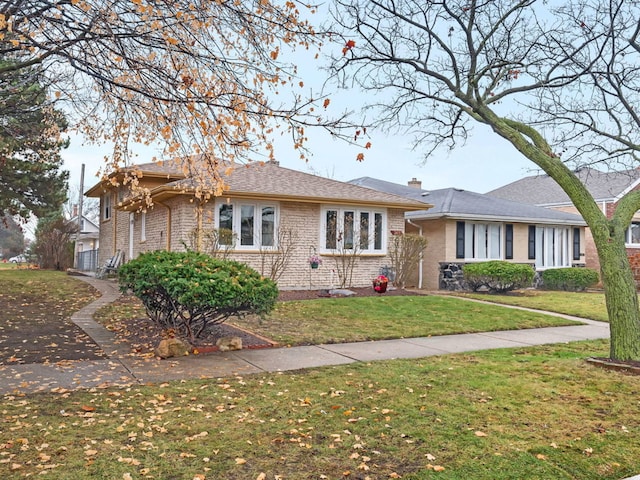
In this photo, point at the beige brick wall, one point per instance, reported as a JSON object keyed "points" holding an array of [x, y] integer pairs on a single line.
{"points": [[435, 232], [177, 218], [441, 247]]}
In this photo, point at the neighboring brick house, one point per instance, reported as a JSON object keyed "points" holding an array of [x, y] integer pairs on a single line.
{"points": [[465, 227], [607, 188], [261, 205]]}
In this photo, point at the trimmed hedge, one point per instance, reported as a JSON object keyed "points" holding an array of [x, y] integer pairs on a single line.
{"points": [[571, 279], [497, 276], [189, 291]]}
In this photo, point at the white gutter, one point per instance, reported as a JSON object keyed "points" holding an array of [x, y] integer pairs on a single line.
{"points": [[497, 218], [421, 253]]}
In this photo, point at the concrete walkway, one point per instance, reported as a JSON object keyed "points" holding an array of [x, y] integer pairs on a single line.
{"points": [[123, 368]]}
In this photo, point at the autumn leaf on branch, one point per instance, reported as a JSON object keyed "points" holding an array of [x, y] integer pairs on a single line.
{"points": [[348, 46], [202, 83]]}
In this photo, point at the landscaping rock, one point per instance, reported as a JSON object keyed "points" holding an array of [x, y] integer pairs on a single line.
{"points": [[171, 347], [229, 343]]}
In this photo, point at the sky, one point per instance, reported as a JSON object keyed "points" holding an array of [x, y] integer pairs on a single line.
{"points": [[486, 161]]}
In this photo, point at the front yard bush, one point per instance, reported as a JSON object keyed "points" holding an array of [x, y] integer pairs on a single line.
{"points": [[497, 276], [188, 291], [569, 279]]}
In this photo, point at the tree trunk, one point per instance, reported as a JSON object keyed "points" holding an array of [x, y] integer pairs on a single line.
{"points": [[621, 298]]}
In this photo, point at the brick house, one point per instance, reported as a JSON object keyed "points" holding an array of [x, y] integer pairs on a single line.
{"points": [[262, 207], [607, 188], [465, 227]]}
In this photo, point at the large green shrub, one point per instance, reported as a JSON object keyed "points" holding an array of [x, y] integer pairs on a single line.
{"points": [[571, 279], [189, 291], [497, 276]]}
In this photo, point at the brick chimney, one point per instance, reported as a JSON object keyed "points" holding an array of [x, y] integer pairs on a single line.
{"points": [[75, 211], [415, 183]]}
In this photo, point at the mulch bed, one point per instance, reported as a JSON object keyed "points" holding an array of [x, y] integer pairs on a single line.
{"points": [[631, 367], [143, 335], [288, 295]]}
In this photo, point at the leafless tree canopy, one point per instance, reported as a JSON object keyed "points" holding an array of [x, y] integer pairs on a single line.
{"points": [[568, 68], [557, 79]]}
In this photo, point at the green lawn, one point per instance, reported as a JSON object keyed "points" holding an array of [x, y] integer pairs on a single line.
{"points": [[336, 320], [534, 413], [580, 304], [526, 413]]}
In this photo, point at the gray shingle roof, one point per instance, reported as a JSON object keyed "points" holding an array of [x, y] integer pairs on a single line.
{"points": [[462, 204], [543, 190], [269, 180]]}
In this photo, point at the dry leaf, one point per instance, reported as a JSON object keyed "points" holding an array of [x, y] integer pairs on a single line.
{"points": [[240, 461], [480, 434]]}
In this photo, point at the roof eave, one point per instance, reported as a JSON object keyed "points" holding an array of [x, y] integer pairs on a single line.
{"points": [[164, 192], [495, 218]]}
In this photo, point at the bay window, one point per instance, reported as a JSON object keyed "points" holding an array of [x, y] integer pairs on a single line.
{"points": [[254, 224], [351, 229]]}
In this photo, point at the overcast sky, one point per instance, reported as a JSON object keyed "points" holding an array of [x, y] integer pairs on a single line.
{"points": [[484, 163]]}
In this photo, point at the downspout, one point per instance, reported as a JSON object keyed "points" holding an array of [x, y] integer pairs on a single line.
{"points": [[168, 246], [421, 253]]}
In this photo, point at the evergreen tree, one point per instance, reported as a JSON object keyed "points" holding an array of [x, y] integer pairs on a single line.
{"points": [[11, 238], [30, 145]]}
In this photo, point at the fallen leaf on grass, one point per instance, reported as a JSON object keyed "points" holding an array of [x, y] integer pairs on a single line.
{"points": [[478, 433]]}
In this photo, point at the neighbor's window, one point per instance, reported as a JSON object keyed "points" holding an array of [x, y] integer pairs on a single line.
{"points": [[553, 247], [479, 241], [633, 234], [255, 224], [353, 230]]}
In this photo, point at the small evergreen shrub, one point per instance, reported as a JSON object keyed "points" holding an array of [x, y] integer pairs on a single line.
{"points": [[190, 291], [571, 279], [497, 276]]}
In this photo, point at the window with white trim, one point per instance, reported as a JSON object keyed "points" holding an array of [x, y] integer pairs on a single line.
{"points": [[143, 227], [633, 234], [254, 225], [353, 229], [553, 247], [479, 241], [106, 206]]}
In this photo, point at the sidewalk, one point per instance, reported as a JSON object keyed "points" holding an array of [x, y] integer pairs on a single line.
{"points": [[122, 368]]}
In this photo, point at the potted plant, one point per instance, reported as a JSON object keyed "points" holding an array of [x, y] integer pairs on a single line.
{"points": [[315, 261], [380, 283]]}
